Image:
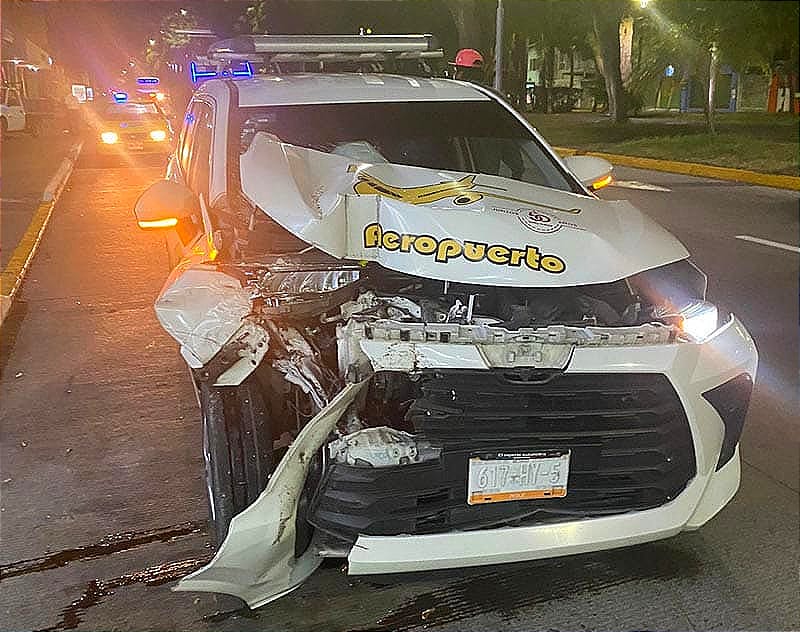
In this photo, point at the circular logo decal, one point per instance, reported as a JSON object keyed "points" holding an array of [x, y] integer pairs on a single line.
{"points": [[538, 221]]}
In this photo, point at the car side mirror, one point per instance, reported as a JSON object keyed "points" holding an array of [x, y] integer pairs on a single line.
{"points": [[593, 172], [164, 204]]}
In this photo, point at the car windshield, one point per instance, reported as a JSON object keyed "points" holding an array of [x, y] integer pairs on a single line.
{"points": [[475, 137], [118, 111]]}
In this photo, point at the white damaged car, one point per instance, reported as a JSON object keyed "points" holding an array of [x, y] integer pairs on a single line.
{"points": [[420, 341]]}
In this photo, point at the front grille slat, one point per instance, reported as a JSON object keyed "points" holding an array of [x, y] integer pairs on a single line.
{"points": [[631, 449]]}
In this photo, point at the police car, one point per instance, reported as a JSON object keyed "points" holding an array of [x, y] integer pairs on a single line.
{"points": [[124, 126], [418, 338]]}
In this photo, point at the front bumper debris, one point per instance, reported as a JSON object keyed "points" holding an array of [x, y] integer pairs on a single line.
{"points": [[257, 563]]}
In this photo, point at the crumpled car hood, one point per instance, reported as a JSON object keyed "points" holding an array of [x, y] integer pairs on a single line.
{"points": [[450, 225]]}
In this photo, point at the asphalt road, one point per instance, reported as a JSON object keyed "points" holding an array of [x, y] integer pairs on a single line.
{"points": [[100, 469]]}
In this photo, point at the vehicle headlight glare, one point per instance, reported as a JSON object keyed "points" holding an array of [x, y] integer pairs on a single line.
{"points": [[158, 135], [109, 138], [699, 320]]}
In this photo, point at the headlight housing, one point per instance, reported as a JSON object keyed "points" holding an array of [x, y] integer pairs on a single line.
{"points": [[109, 138], [676, 294], [158, 135], [699, 320]]}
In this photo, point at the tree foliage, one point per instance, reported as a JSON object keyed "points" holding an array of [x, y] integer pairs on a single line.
{"points": [[169, 39], [704, 34]]}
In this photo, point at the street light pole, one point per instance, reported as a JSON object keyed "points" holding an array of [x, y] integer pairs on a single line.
{"points": [[498, 48]]}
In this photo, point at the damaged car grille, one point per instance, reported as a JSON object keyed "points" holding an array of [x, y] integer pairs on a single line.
{"points": [[630, 442]]}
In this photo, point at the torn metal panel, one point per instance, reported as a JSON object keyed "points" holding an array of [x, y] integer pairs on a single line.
{"points": [[202, 308], [450, 225], [395, 346], [248, 346], [257, 562]]}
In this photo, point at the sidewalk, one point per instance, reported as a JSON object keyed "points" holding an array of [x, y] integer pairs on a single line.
{"points": [[27, 165]]}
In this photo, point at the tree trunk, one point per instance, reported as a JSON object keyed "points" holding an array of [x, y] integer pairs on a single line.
{"points": [[571, 68], [711, 93], [468, 23], [606, 33], [548, 63], [626, 51]]}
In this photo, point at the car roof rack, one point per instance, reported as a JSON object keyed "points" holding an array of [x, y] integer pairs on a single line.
{"points": [[356, 51]]}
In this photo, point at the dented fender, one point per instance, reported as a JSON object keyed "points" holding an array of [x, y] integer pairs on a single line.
{"points": [[257, 562]]}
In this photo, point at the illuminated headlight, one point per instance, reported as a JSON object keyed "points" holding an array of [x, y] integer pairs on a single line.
{"points": [[109, 138], [699, 320], [158, 135]]}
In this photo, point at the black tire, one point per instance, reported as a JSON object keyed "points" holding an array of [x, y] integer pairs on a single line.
{"points": [[34, 129], [237, 449]]}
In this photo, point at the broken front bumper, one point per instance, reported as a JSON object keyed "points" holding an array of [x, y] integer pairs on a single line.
{"points": [[692, 369], [257, 563]]}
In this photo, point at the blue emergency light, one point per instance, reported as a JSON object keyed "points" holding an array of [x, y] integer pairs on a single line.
{"points": [[120, 97], [198, 73], [147, 81]]}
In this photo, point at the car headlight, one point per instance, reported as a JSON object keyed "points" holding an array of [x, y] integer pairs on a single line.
{"points": [[158, 135], [109, 138], [699, 320]]}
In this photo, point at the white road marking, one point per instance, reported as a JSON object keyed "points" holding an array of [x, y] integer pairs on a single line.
{"points": [[767, 242], [26, 200], [635, 184]]}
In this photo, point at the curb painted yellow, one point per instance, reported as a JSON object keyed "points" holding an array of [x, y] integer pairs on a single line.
{"points": [[14, 272], [11, 277], [692, 169]]}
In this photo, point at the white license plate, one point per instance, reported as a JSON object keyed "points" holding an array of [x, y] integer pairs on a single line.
{"points": [[502, 476]]}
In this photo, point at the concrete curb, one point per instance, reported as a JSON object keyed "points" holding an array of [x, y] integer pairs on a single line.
{"points": [[692, 169], [14, 272]]}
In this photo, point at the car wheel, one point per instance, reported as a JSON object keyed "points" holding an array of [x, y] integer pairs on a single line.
{"points": [[34, 130], [237, 449], [4, 125]]}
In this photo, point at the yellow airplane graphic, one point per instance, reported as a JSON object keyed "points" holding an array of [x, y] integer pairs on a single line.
{"points": [[462, 192]]}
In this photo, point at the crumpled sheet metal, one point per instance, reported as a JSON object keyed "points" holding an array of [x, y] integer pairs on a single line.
{"points": [[257, 562], [448, 225], [202, 308]]}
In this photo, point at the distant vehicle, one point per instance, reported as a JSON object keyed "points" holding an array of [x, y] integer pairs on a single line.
{"points": [[129, 127], [13, 116]]}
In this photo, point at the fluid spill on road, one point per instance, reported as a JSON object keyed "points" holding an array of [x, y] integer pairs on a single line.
{"points": [[507, 590], [97, 590], [113, 543]]}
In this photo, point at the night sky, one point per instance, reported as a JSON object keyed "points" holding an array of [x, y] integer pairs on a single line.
{"points": [[100, 36]]}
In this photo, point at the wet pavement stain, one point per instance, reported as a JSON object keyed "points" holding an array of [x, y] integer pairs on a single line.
{"points": [[109, 544], [97, 590], [512, 589]]}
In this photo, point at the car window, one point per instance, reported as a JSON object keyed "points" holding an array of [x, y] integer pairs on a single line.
{"points": [[480, 137], [187, 132], [198, 163], [130, 112]]}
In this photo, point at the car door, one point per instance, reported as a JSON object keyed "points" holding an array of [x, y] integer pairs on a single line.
{"points": [[192, 167]]}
